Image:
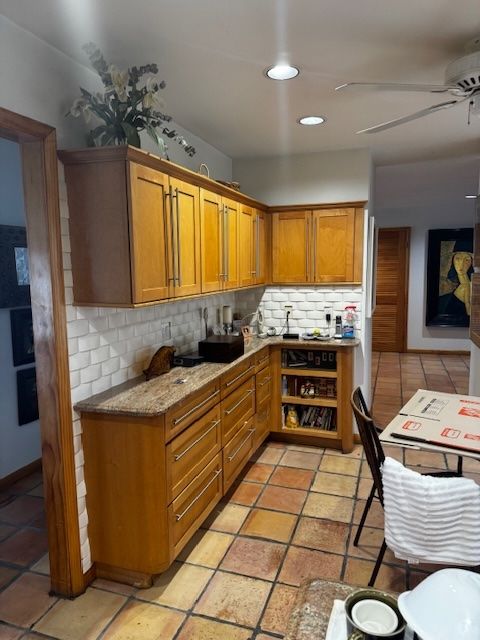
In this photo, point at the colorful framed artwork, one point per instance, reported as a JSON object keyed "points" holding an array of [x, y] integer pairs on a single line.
{"points": [[14, 272], [449, 273], [27, 401], [21, 325]]}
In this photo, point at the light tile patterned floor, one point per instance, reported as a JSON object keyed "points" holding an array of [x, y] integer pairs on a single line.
{"points": [[291, 516]]}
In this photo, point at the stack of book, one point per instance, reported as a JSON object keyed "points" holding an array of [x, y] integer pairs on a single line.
{"points": [[314, 417]]}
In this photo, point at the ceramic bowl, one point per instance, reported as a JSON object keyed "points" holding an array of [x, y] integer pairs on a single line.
{"points": [[445, 606]]}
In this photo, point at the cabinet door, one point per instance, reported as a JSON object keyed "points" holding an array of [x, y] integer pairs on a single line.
{"points": [[148, 234], [290, 246], [260, 249], [246, 246], [230, 243], [333, 245], [185, 238], [211, 222]]}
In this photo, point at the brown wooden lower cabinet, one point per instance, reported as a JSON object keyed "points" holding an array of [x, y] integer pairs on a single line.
{"points": [[152, 481]]}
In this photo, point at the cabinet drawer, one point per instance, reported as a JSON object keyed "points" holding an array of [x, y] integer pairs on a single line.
{"points": [[189, 510], [236, 376], [189, 452], [262, 421], [190, 409], [237, 452], [263, 384], [237, 407], [262, 359]]}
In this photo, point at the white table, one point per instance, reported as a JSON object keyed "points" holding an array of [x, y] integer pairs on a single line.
{"points": [[435, 421]]}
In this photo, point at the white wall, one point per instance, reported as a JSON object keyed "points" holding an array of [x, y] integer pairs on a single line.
{"points": [[19, 445], [40, 82], [333, 176], [423, 196]]}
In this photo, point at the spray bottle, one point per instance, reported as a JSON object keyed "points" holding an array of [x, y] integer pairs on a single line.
{"points": [[349, 318]]}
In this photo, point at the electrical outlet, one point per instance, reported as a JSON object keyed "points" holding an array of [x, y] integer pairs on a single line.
{"points": [[288, 308]]}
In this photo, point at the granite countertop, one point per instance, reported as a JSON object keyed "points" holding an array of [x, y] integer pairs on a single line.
{"points": [[153, 398], [311, 613]]}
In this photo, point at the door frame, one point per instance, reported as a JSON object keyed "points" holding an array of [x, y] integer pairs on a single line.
{"points": [[40, 184]]}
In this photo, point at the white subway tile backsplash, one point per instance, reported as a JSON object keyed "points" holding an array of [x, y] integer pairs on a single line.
{"points": [[119, 377], [81, 392], [109, 337], [118, 348], [74, 379], [126, 332], [90, 373], [117, 319], [79, 360], [66, 244], [278, 296], [296, 296], [79, 461], [78, 328], [100, 355], [98, 324], [77, 426], [110, 366], [102, 384], [88, 342], [80, 477], [72, 346]]}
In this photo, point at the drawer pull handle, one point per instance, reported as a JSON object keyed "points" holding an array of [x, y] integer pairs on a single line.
{"points": [[229, 384], [198, 406], [263, 360], [237, 404], [234, 454], [262, 384], [179, 516], [195, 442]]}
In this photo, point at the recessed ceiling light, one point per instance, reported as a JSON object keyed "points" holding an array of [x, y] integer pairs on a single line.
{"points": [[471, 196], [311, 120], [282, 72]]}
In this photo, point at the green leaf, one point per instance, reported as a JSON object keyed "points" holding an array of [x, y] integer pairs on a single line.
{"points": [[131, 134]]}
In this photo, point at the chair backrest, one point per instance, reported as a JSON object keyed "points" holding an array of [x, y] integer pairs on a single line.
{"points": [[369, 437]]}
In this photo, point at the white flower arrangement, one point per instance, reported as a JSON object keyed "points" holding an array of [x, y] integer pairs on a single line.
{"points": [[129, 104]]}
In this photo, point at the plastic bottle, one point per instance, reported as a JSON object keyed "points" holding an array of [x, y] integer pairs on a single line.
{"points": [[349, 318], [338, 327]]}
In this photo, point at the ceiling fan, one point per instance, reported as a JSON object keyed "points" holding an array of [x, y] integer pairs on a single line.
{"points": [[462, 82]]}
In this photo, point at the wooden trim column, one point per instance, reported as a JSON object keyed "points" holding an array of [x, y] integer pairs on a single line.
{"points": [[40, 177]]}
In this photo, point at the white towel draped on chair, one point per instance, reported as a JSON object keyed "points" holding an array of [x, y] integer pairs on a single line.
{"points": [[430, 519]]}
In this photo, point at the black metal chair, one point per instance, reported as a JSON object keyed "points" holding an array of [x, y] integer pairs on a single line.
{"points": [[369, 435]]}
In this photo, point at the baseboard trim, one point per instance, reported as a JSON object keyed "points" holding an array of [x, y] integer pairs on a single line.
{"points": [[440, 352], [356, 439], [89, 576], [17, 475]]}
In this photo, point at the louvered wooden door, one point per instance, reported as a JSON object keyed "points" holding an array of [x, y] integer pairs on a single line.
{"points": [[389, 331]]}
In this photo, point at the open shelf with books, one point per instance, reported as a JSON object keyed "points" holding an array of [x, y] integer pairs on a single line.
{"points": [[313, 388]]}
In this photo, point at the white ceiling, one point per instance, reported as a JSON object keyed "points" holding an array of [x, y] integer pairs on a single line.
{"points": [[212, 54]]}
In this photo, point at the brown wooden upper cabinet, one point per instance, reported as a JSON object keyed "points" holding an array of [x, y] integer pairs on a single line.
{"points": [[165, 236], [219, 231], [251, 246], [135, 233], [144, 230], [317, 246]]}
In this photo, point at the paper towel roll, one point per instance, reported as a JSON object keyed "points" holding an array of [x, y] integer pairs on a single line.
{"points": [[227, 314]]}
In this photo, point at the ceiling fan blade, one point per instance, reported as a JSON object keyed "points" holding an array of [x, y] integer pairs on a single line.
{"points": [[394, 86], [412, 116]]}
